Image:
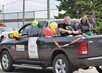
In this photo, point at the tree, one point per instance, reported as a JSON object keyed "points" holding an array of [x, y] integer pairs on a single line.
{"points": [[78, 8]]}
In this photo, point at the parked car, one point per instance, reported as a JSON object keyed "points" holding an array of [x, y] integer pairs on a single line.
{"points": [[4, 31], [36, 50]]}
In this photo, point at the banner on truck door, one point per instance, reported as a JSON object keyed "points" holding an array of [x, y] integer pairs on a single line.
{"points": [[32, 47]]}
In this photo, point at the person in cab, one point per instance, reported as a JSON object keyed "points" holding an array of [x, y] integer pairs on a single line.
{"points": [[84, 27], [66, 28]]}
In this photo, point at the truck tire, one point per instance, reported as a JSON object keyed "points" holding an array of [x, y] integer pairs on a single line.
{"points": [[61, 64], [99, 68], [6, 62]]}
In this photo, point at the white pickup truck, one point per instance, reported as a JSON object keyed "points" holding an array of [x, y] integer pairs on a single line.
{"points": [[4, 31]]}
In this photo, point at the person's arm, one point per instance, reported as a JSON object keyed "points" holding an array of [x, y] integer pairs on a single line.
{"points": [[64, 31], [76, 32], [78, 29], [90, 27]]}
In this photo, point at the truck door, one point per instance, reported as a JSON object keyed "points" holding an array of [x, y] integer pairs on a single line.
{"points": [[32, 42], [21, 45], [35, 32]]}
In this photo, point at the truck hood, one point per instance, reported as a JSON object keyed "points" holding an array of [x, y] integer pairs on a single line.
{"points": [[7, 32]]}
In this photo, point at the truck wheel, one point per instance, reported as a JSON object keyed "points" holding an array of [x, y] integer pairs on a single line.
{"points": [[6, 62], [61, 64], [99, 68]]}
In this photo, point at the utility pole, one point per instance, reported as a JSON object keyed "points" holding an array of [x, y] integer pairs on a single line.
{"points": [[2, 8], [23, 12], [48, 9]]}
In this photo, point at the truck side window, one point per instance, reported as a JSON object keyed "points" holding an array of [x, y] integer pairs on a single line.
{"points": [[25, 30], [34, 31]]}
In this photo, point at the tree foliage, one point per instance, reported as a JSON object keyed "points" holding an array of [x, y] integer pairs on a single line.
{"points": [[78, 8]]}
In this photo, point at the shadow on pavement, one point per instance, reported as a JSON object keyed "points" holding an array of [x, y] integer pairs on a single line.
{"points": [[27, 70]]}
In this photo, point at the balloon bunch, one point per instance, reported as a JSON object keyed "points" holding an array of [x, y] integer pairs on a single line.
{"points": [[35, 23], [51, 30], [14, 34]]}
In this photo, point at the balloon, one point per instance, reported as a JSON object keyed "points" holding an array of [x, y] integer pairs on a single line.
{"points": [[53, 25], [11, 35], [16, 33], [52, 31], [34, 23], [46, 31], [40, 25]]}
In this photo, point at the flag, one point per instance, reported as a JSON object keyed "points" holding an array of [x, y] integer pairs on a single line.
{"points": [[92, 18]]}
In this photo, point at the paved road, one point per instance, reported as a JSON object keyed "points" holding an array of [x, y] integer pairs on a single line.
{"points": [[25, 70], [93, 70]]}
